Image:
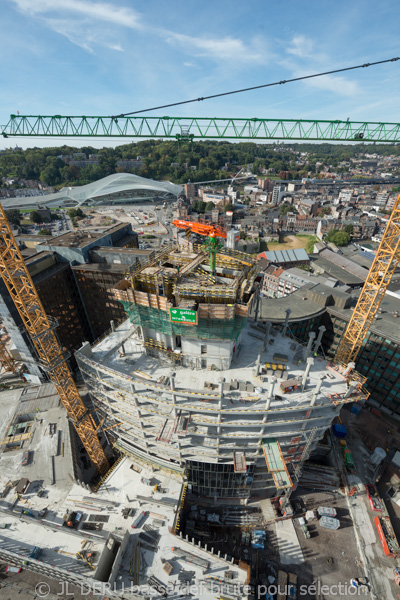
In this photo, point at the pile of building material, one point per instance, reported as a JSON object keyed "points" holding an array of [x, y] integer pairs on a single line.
{"points": [[319, 477], [157, 585], [191, 558]]}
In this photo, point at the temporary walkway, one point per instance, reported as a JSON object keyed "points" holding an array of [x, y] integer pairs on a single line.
{"points": [[276, 463]]}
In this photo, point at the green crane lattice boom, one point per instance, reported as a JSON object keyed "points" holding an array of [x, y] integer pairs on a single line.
{"points": [[190, 128]]}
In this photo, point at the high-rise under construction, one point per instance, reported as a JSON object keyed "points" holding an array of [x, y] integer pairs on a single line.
{"points": [[188, 383]]}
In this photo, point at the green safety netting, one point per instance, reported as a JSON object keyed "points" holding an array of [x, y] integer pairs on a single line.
{"points": [[206, 328]]}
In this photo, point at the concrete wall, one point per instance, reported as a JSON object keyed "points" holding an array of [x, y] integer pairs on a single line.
{"points": [[219, 353], [41, 264], [106, 561], [168, 340], [124, 256], [118, 559], [79, 255]]}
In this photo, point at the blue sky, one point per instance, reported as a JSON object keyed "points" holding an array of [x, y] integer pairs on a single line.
{"points": [[100, 58]]}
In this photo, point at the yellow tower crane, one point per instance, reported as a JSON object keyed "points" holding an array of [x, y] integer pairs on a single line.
{"points": [[379, 276], [42, 333]]}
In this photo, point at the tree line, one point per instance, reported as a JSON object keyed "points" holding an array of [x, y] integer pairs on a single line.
{"points": [[180, 163]]}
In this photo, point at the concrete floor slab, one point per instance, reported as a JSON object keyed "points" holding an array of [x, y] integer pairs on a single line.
{"points": [[268, 510], [290, 552]]}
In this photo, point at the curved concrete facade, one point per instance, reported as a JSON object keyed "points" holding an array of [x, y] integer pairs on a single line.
{"points": [[195, 421]]}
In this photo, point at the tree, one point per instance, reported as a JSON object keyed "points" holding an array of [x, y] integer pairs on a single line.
{"points": [[13, 216], [349, 229], [210, 206], [75, 213], [326, 210], [44, 232], [285, 208], [228, 206], [199, 206], [340, 238], [35, 217], [74, 172]]}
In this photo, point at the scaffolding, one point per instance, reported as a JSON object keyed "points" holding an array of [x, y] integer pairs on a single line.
{"points": [[239, 462], [155, 348], [166, 430], [203, 273], [6, 360], [180, 277], [177, 266], [158, 320]]}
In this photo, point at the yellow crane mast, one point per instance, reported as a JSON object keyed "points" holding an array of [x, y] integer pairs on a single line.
{"points": [[379, 276], [42, 333]]}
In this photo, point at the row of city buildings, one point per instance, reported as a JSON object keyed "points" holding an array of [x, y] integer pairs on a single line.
{"points": [[326, 296], [72, 273]]}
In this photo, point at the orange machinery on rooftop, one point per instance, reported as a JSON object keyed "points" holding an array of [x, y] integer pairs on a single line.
{"points": [[200, 228]]}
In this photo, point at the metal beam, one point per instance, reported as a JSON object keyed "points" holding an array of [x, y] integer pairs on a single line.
{"points": [[18, 281], [381, 272], [190, 128]]}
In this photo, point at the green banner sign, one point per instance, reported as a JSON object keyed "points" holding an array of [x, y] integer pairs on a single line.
{"points": [[183, 315]]}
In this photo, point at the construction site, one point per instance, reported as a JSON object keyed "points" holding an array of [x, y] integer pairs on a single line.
{"points": [[200, 450], [203, 453], [188, 384]]}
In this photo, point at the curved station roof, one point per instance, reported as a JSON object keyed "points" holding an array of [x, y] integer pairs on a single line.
{"points": [[120, 188]]}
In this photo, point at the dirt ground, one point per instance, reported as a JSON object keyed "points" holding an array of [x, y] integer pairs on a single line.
{"points": [[291, 242], [373, 430]]}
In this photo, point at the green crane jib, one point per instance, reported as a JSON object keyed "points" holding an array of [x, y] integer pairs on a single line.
{"points": [[190, 128]]}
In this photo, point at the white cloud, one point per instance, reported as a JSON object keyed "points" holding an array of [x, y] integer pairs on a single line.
{"points": [[301, 45], [116, 47], [303, 61], [223, 49], [335, 83], [95, 26], [100, 11], [87, 24], [83, 34]]}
